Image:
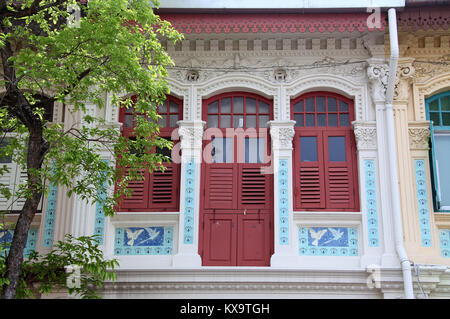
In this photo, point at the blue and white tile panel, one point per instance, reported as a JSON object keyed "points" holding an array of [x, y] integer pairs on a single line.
{"points": [[283, 202], [155, 240], [422, 203], [188, 231], [99, 227], [50, 211], [328, 241], [371, 203], [444, 241], [7, 235]]}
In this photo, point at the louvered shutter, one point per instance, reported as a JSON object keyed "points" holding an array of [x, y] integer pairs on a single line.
{"points": [[8, 179], [254, 187], [138, 198], [20, 179], [164, 188], [339, 179], [220, 191], [309, 171]]}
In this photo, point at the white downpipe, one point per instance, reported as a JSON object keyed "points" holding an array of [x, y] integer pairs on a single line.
{"points": [[395, 193]]}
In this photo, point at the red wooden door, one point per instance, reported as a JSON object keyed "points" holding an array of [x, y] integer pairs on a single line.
{"points": [[219, 234], [237, 203], [253, 239]]}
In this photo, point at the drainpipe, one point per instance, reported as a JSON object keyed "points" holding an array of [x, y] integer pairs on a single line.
{"points": [[395, 193]]}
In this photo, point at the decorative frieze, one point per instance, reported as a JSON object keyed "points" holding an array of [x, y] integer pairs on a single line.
{"points": [[293, 23]]}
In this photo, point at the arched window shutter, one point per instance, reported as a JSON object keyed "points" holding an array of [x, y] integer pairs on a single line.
{"points": [[160, 190], [324, 153]]}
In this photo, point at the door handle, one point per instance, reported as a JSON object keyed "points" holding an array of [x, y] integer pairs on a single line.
{"points": [[245, 211]]}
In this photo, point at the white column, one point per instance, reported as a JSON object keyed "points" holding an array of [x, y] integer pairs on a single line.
{"points": [[190, 133], [285, 254], [378, 76]]}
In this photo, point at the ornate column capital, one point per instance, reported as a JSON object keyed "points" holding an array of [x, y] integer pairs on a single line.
{"points": [[378, 74], [419, 135], [191, 133], [366, 135], [405, 76], [282, 133]]}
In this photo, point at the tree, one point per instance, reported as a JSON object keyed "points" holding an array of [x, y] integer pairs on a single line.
{"points": [[115, 46], [76, 265]]}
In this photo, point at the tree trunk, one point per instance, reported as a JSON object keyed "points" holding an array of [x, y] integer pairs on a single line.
{"points": [[14, 260]]}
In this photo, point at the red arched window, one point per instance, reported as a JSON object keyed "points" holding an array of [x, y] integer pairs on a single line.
{"points": [[325, 171], [159, 191]]}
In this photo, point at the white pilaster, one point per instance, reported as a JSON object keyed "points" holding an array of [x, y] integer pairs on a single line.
{"points": [[191, 133], [285, 254]]}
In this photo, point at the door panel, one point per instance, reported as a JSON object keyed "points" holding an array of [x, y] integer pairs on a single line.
{"points": [[253, 240], [219, 241]]}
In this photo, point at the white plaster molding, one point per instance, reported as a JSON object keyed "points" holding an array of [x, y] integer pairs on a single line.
{"points": [[239, 82], [181, 90], [333, 83]]}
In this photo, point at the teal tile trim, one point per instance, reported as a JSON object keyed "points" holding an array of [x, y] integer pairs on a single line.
{"points": [[422, 203], [444, 240], [99, 228], [155, 240], [188, 231], [50, 211], [7, 235], [283, 202], [371, 203], [328, 241]]}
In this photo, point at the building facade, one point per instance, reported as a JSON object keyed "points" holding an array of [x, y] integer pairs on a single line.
{"points": [[280, 182]]}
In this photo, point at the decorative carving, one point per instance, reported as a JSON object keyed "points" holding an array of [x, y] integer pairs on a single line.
{"points": [[191, 133], [366, 135], [418, 138], [192, 76], [404, 79], [428, 69], [378, 75], [282, 134], [280, 75]]}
